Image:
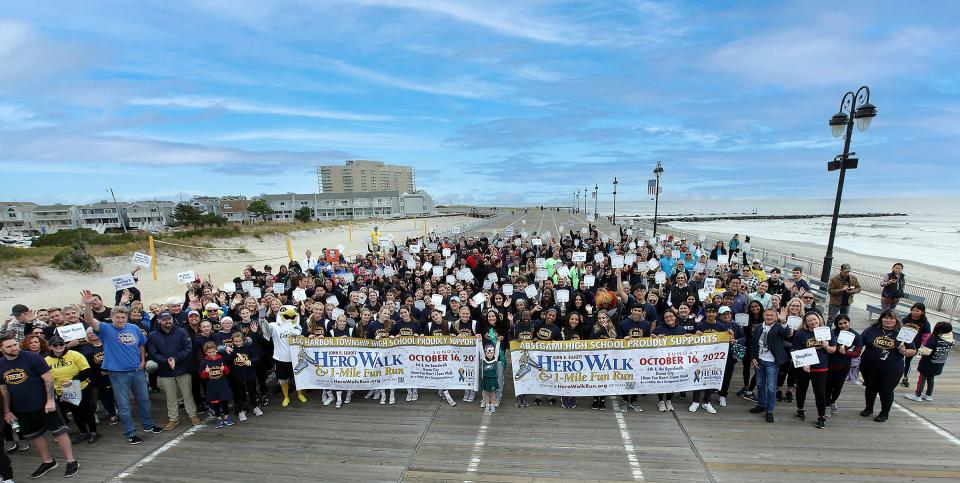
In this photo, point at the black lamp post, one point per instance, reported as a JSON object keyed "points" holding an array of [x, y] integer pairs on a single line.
{"points": [[656, 204], [614, 200], [852, 107], [585, 200], [576, 206], [596, 198]]}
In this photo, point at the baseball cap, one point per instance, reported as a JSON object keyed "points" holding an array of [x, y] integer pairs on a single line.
{"points": [[455, 299], [193, 312], [710, 308], [55, 341], [19, 309], [757, 260], [724, 310], [845, 267], [164, 315]]}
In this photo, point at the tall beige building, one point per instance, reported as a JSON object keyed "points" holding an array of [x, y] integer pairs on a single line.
{"points": [[363, 176]]}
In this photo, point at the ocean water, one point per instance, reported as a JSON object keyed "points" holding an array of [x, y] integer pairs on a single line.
{"points": [[929, 233]]}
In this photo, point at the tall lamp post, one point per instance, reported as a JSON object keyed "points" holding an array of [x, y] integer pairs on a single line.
{"points": [[853, 107], [614, 200], [585, 200], [596, 199], [656, 192], [576, 206]]}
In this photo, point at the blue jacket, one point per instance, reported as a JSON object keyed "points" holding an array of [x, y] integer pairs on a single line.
{"points": [[163, 345]]}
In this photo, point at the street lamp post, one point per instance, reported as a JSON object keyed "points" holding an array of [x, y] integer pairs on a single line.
{"points": [[853, 107], [585, 200], [656, 204], [596, 199], [577, 205], [614, 200]]}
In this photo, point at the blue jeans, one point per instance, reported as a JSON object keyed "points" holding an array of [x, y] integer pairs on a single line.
{"points": [[122, 383], [767, 384]]}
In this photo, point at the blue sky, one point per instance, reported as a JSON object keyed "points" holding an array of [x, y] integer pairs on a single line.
{"points": [[491, 102]]}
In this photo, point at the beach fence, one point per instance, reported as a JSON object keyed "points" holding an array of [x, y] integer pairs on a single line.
{"points": [[939, 299]]}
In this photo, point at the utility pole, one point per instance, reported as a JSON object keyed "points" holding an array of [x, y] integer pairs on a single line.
{"points": [[119, 214]]}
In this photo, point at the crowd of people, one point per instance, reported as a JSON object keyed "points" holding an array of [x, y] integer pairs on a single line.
{"points": [[220, 350]]}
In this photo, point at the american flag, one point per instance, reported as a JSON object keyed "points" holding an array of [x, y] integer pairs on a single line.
{"points": [[652, 187]]}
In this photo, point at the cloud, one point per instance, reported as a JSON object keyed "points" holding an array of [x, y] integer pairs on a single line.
{"points": [[336, 138], [28, 59], [16, 117], [64, 147], [233, 105], [462, 86]]}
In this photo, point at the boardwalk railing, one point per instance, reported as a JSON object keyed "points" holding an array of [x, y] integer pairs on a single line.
{"points": [[938, 298]]}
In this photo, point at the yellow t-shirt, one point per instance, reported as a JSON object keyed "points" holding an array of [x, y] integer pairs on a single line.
{"points": [[66, 368]]}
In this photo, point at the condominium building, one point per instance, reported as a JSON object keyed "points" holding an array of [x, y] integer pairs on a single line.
{"points": [[351, 206], [359, 175]]}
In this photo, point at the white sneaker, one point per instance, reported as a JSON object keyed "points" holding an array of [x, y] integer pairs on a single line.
{"points": [[709, 408], [383, 397], [669, 405], [393, 399], [327, 398], [242, 416], [370, 394], [466, 396], [723, 402], [693, 407], [409, 396], [450, 400], [661, 406], [913, 397], [926, 397], [493, 409], [339, 404], [346, 400], [416, 395], [483, 404], [257, 411]]}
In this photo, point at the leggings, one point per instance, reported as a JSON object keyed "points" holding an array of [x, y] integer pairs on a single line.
{"points": [[819, 382], [703, 396], [748, 382], [835, 380], [220, 408], [246, 394], [82, 413], [925, 379], [787, 374], [6, 471], [879, 381], [728, 374], [665, 396], [263, 368], [906, 366]]}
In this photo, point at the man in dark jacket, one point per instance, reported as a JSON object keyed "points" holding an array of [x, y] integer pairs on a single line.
{"points": [[170, 348], [768, 354]]}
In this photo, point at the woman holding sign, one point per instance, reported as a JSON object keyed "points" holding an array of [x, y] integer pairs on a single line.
{"points": [[68, 366], [881, 363], [668, 327], [813, 334], [849, 345]]}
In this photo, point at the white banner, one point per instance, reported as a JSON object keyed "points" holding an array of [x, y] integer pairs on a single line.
{"points": [[427, 362], [602, 367]]}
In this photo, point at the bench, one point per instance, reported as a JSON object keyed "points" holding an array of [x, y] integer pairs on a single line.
{"points": [[908, 299]]}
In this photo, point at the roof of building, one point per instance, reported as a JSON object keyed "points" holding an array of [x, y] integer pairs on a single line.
{"points": [[331, 196]]}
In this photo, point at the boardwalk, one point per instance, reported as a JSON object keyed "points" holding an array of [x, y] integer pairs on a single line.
{"points": [[429, 441]]}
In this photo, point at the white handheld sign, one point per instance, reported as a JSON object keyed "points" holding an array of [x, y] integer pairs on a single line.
{"points": [[507, 289], [907, 334], [142, 259], [186, 277], [742, 319], [805, 357], [72, 332], [563, 296], [822, 333], [121, 282], [845, 338], [794, 322]]}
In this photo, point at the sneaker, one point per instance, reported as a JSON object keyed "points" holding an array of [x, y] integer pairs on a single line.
{"points": [[595, 406], [741, 392], [537, 401], [347, 399], [285, 402], [264, 401], [709, 408], [693, 407], [79, 437], [93, 438], [301, 397], [723, 401], [134, 439], [339, 404], [228, 421], [905, 382], [821, 422], [483, 404], [43, 469], [409, 397], [573, 404], [788, 397], [392, 398], [383, 398], [194, 420], [416, 396], [553, 401], [636, 407], [881, 418], [493, 409], [757, 410], [12, 447], [171, 424], [800, 415], [242, 416], [834, 410], [749, 395], [73, 467], [369, 394], [218, 424], [327, 398], [525, 402], [913, 397], [661, 406], [155, 429], [927, 397], [452, 403], [866, 413], [257, 411], [603, 404], [114, 420], [779, 395], [769, 417]]}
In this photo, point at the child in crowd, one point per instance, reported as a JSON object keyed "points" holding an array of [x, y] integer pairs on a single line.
{"points": [[214, 371], [489, 372], [933, 355], [241, 357]]}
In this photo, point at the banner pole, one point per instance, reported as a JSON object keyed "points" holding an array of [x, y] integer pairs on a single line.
{"points": [[153, 258]]}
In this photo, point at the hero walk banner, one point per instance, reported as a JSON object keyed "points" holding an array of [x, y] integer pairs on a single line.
{"points": [[426, 362], [601, 367]]}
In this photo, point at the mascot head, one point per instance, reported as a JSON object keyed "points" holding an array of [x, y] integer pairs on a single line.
{"points": [[288, 313]]}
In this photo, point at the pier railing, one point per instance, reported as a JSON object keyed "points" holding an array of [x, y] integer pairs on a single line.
{"points": [[938, 298]]}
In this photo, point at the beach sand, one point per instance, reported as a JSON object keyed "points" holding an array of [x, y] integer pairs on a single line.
{"points": [[57, 287]]}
